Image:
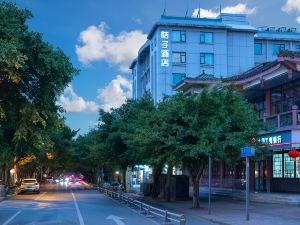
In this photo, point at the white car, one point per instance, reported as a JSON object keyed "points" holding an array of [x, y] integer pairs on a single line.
{"points": [[30, 185]]}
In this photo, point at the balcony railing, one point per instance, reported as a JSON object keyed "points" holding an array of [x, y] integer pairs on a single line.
{"points": [[282, 121]]}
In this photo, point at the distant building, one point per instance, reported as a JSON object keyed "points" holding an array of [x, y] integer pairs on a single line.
{"points": [[179, 47]]}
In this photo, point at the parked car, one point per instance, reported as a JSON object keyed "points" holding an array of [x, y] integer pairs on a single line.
{"points": [[30, 185]]}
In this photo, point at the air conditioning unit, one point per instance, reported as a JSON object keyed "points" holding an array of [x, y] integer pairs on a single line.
{"points": [[282, 29], [272, 29], [292, 30]]}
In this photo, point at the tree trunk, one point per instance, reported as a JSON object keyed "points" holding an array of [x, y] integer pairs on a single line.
{"points": [[196, 194], [156, 175], [168, 183], [123, 179]]}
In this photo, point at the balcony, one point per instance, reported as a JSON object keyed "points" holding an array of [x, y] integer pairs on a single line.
{"points": [[284, 121]]}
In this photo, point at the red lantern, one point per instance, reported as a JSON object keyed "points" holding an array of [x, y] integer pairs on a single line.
{"points": [[294, 154]]}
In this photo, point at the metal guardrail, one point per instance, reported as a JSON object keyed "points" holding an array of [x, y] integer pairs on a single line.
{"points": [[148, 210]]}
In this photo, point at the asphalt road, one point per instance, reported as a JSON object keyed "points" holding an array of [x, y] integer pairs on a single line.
{"points": [[55, 205]]}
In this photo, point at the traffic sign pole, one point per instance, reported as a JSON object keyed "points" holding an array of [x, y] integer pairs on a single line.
{"points": [[209, 185], [247, 187]]}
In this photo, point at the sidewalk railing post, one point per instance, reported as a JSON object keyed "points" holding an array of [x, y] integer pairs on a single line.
{"points": [[141, 208], [182, 220], [166, 220], [148, 212]]}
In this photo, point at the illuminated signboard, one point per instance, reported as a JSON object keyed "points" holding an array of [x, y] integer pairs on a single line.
{"points": [[276, 141], [164, 54], [270, 140]]}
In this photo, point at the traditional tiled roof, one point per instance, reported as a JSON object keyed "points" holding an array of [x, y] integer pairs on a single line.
{"points": [[252, 72], [206, 77], [260, 68]]}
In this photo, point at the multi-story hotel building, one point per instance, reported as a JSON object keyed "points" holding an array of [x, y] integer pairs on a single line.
{"points": [[179, 47]]}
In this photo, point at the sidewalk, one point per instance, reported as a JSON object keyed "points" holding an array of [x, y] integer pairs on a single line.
{"points": [[226, 211]]}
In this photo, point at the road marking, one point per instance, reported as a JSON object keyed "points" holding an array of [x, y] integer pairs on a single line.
{"points": [[40, 196], [116, 219], [77, 210], [133, 210], [11, 218]]}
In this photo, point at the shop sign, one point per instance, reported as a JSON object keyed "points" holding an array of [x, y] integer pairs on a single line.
{"points": [[277, 139], [164, 54]]}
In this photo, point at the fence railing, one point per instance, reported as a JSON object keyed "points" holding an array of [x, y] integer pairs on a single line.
{"points": [[146, 209]]}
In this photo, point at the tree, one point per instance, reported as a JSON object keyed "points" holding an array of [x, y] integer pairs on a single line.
{"points": [[33, 73], [214, 123]]}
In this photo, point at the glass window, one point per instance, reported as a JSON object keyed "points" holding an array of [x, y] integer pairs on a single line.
{"points": [[207, 58], [298, 167], [206, 37], [177, 78], [277, 165], [179, 57], [277, 48], [288, 166], [258, 48], [297, 48], [178, 36]]}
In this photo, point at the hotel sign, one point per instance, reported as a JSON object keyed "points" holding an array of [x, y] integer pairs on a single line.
{"points": [[164, 54]]}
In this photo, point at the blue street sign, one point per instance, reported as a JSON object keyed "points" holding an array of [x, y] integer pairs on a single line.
{"points": [[247, 151]]}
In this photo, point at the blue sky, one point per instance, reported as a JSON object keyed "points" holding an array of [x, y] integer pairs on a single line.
{"points": [[101, 38]]}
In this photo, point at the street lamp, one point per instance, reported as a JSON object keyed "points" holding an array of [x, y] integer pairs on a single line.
{"points": [[12, 171], [117, 172]]}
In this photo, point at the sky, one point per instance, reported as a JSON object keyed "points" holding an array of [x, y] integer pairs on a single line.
{"points": [[102, 37]]}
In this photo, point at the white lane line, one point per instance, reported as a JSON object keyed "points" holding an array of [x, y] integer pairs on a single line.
{"points": [[40, 196], [11, 218], [77, 210]]}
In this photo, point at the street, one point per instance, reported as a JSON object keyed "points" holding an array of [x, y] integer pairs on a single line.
{"points": [[56, 205]]}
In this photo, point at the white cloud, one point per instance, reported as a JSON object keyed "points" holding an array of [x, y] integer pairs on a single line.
{"points": [[71, 102], [115, 93], [205, 13], [97, 44], [236, 9], [292, 6]]}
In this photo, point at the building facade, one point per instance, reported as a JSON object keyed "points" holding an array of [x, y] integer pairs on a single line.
{"points": [[179, 47], [274, 89]]}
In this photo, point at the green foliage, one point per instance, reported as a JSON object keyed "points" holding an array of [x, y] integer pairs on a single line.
{"points": [[32, 74]]}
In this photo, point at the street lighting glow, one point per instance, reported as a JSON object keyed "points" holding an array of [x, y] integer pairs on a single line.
{"points": [[117, 172]]}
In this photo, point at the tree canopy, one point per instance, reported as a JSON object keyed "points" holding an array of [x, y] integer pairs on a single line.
{"points": [[33, 74]]}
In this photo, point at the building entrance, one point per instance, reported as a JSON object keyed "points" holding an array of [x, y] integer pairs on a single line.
{"points": [[260, 176]]}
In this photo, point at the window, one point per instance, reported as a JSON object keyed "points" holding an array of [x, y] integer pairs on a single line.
{"points": [[277, 165], [206, 37], [284, 97], [277, 48], [179, 57], [259, 106], [177, 78], [298, 167], [258, 48], [297, 48], [207, 58], [178, 36], [288, 166]]}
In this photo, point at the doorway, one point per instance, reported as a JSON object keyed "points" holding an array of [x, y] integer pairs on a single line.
{"points": [[260, 176]]}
